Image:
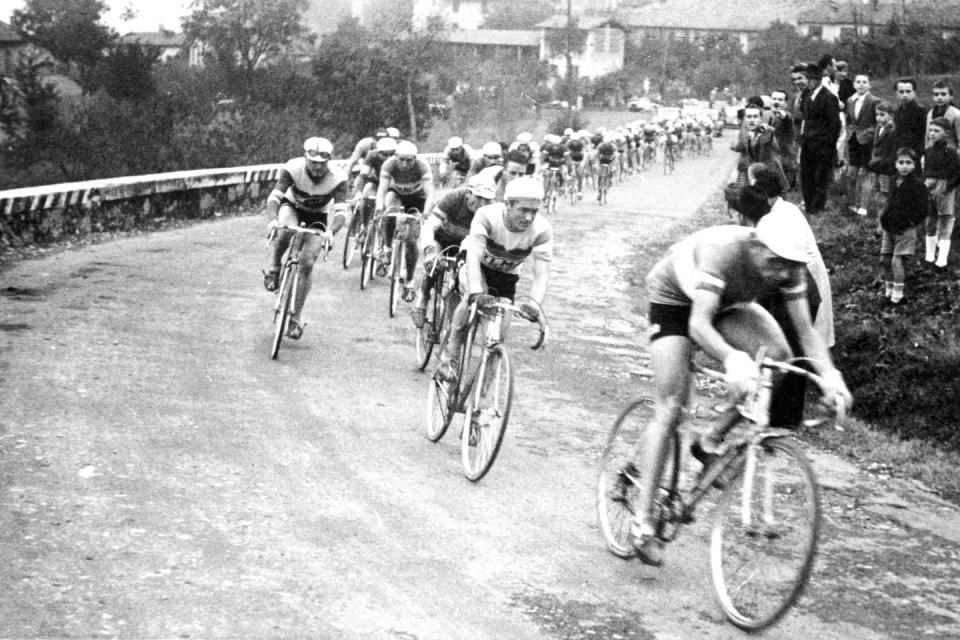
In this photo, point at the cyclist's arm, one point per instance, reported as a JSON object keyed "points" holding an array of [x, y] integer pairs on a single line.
{"points": [[427, 182], [541, 276], [705, 304], [361, 178], [354, 158], [385, 181], [428, 230], [284, 180], [811, 343], [339, 207]]}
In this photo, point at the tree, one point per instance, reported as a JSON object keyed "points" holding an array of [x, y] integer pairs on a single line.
{"points": [[244, 33], [69, 29], [126, 72]]}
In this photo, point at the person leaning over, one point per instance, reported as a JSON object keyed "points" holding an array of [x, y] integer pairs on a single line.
{"points": [[941, 170], [906, 208], [882, 155]]}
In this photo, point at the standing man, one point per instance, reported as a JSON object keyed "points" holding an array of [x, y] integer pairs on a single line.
{"points": [[784, 133], [818, 141], [861, 116], [909, 118]]}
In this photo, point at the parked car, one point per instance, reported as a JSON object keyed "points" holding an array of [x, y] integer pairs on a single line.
{"points": [[640, 104]]}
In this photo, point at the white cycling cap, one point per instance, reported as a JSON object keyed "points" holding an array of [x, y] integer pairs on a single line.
{"points": [[492, 173], [455, 142], [524, 188], [784, 236], [553, 138], [393, 132], [315, 148], [386, 144], [492, 149], [483, 186], [406, 148], [525, 137]]}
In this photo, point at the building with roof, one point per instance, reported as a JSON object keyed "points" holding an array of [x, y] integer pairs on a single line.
{"points": [[603, 45], [170, 43], [10, 45], [496, 43], [836, 22]]}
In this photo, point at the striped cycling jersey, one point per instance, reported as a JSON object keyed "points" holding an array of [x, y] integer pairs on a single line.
{"points": [[454, 215], [504, 250], [716, 259], [575, 147], [407, 179], [298, 189]]}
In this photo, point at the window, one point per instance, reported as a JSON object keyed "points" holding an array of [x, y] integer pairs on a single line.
{"points": [[815, 31], [848, 33]]}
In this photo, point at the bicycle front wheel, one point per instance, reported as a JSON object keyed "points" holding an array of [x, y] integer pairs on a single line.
{"points": [[367, 256], [618, 482], [281, 313], [396, 279], [351, 242], [428, 335], [486, 413], [764, 535]]}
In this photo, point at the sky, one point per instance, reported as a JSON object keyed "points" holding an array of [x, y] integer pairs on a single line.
{"points": [[150, 14]]}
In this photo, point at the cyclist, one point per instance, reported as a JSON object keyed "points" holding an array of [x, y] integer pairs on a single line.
{"points": [[553, 155], [304, 189], [491, 155], [448, 224], [502, 236], [649, 144], [368, 179], [524, 144], [363, 147], [406, 181], [576, 147], [704, 292], [455, 163], [606, 154]]}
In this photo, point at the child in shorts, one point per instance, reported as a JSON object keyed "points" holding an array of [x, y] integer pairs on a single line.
{"points": [[882, 156], [906, 207]]}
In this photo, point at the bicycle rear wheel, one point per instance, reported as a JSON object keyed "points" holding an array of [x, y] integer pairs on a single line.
{"points": [[281, 312], [764, 536], [439, 413], [486, 413], [369, 264], [620, 472], [399, 266], [428, 335]]}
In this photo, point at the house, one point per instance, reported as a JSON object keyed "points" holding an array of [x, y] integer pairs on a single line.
{"points": [[170, 44], [602, 51], [695, 20], [496, 43], [836, 22], [10, 46]]}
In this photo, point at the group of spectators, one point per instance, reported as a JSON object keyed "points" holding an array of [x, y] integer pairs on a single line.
{"points": [[899, 162]]}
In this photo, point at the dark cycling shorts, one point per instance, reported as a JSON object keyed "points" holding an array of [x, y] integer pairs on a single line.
{"points": [[411, 200], [576, 157], [669, 320], [503, 285], [307, 218]]}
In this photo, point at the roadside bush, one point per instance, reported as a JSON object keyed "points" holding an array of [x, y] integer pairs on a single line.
{"points": [[576, 121]]}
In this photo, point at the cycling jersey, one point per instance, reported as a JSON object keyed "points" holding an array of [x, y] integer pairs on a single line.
{"points": [[363, 147], [373, 162], [481, 163], [308, 196], [405, 179], [504, 250], [459, 160], [606, 152], [451, 217], [715, 259], [596, 139], [554, 154], [575, 147]]}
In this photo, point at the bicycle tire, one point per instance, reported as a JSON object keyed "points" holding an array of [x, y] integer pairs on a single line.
{"points": [[439, 413], [617, 489], [398, 263], [281, 314], [486, 413], [426, 337], [351, 241], [369, 264], [760, 570]]}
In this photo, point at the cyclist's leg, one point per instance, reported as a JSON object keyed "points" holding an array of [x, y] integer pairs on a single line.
{"points": [[417, 202], [308, 257], [392, 199], [458, 327], [286, 216], [369, 195]]}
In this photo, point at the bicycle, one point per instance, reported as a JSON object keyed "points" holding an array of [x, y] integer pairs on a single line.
{"points": [[443, 296], [290, 278], [766, 522], [669, 157], [484, 389], [372, 252], [552, 189], [604, 180], [356, 234], [398, 252]]}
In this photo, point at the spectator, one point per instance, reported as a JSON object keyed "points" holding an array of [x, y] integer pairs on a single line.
{"points": [[909, 118], [861, 115], [798, 77], [883, 155], [943, 108], [846, 85], [784, 133], [906, 208], [941, 170], [818, 141], [828, 74], [757, 145]]}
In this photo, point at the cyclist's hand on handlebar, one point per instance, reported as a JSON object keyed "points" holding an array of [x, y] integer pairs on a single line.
{"points": [[482, 299], [327, 237], [530, 310], [835, 388], [429, 258], [741, 373]]}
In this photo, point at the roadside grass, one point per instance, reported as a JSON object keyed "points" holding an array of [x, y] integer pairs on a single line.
{"points": [[905, 383]]}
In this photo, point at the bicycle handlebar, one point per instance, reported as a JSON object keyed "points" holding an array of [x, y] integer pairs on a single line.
{"points": [[543, 327], [316, 229]]}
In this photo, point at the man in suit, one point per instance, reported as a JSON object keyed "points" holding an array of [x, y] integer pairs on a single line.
{"points": [[909, 118], [818, 141], [784, 132], [861, 118]]}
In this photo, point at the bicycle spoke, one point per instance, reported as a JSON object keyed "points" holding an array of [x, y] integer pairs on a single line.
{"points": [[486, 414]]}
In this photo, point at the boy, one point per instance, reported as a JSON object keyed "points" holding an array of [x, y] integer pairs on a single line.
{"points": [[882, 154], [906, 208], [909, 118], [861, 116], [941, 169], [943, 108]]}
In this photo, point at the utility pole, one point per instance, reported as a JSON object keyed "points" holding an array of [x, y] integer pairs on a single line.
{"points": [[571, 91]]}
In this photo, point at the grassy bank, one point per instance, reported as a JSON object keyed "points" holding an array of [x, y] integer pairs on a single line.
{"points": [[902, 363]]}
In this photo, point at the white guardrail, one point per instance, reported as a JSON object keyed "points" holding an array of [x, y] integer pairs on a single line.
{"points": [[93, 192]]}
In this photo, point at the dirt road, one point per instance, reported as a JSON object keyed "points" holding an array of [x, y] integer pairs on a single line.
{"points": [[160, 476]]}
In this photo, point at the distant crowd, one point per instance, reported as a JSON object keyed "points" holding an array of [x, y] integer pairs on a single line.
{"points": [[899, 162]]}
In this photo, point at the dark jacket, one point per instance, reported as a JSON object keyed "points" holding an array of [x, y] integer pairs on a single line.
{"points": [[864, 125], [940, 161], [910, 120], [821, 120], [882, 156], [907, 206]]}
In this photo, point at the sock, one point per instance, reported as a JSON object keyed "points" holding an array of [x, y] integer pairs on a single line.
{"points": [[897, 294], [931, 248], [943, 248]]}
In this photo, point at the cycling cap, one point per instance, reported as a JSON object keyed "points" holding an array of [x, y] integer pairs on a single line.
{"points": [[393, 132], [553, 138], [524, 138], [406, 148], [492, 149], [609, 137], [455, 142], [568, 131], [523, 188], [584, 133], [387, 145], [380, 133], [784, 236], [317, 148], [492, 173], [483, 186]]}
